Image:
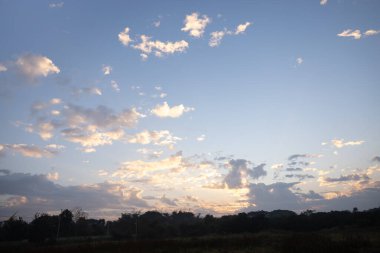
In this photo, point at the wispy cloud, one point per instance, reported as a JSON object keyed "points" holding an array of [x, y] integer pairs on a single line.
{"points": [[217, 36], [159, 48], [3, 68], [32, 150], [161, 138], [340, 143], [56, 5], [323, 2], [195, 24], [115, 86], [299, 60], [371, 32], [106, 70], [164, 110], [350, 33], [201, 138]]}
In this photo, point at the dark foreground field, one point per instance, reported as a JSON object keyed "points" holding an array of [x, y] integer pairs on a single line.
{"points": [[366, 241]]}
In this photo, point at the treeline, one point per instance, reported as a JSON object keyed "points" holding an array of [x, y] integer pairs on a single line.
{"points": [[156, 225]]}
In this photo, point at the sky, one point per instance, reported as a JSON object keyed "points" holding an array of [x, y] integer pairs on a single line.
{"points": [[215, 107]]}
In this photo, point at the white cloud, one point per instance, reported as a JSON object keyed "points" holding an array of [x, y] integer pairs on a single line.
{"points": [[138, 167], [159, 48], [216, 38], [3, 68], [299, 60], [201, 138], [340, 143], [56, 5], [115, 86], [195, 25], [241, 28], [55, 101], [92, 138], [36, 65], [52, 176], [161, 138], [107, 70], [350, 33], [124, 37], [371, 32], [157, 23], [165, 110], [323, 2]]}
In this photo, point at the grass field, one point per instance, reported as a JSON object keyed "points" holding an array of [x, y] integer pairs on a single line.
{"points": [[265, 242]]}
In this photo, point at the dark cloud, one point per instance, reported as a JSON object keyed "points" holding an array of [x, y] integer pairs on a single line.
{"points": [[5, 172], [376, 159], [294, 169], [240, 173], [273, 196], [297, 156], [168, 201], [300, 177], [311, 195], [351, 177], [42, 195], [282, 196], [257, 171]]}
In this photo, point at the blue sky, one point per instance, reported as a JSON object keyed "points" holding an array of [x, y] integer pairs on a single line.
{"points": [[214, 107]]}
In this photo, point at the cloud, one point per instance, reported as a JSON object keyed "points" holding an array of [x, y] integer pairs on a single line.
{"points": [[346, 178], [201, 138], [92, 138], [106, 70], [152, 154], [157, 23], [44, 195], [56, 5], [216, 38], [300, 177], [376, 159], [323, 2], [115, 86], [297, 156], [32, 150], [3, 68], [124, 37], [168, 201], [340, 143], [159, 48], [239, 173], [350, 33], [164, 110], [241, 28], [52, 176], [173, 162], [89, 90], [55, 101], [299, 60], [161, 138], [371, 32], [89, 127], [195, 25], [272, 197], [257, 171], [34, 66]]}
